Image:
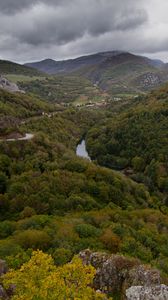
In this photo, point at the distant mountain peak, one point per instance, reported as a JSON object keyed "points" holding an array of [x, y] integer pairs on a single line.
{"points": [[118, 72], [52, 66]]}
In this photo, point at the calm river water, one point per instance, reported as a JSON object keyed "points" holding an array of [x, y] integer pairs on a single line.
{"points": [[81, 150]]}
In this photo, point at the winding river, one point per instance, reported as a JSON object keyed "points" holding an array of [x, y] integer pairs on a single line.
{"points": [[81, 150]]}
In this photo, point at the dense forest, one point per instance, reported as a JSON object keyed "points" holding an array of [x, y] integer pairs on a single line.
{"points": [[136, 141], [54, 201]]}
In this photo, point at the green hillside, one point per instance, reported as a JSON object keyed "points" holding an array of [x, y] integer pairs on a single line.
{"points": [[8, 67], [137, 139], [54, 201], [64, 89], [15, 108], [44, 176], [125, 74], [21, 105], [121, 74]]}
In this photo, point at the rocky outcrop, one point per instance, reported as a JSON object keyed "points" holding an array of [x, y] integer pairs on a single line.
{"points": [[3, 267], [3, 294], [156, 292], [9, 86], [117, 274], [112, 270], [142, 275], [3, 270]]}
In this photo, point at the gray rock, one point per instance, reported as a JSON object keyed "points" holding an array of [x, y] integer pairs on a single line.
{"points": [[155, 292], [112, 270], [9, 86], [142, 276], [3, 267], [3, 294], [117, 273]]}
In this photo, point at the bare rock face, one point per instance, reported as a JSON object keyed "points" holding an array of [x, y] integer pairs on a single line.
{"points": [[9, 86], [3, 294], [118, 274], [112, 270], [156, 292], [142, 276], [3, 267]]}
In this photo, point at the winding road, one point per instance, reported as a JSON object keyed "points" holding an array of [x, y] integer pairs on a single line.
{"points": [[27, 137]]}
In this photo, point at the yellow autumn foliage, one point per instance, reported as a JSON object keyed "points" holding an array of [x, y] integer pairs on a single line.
{"points": [[40, 279]]}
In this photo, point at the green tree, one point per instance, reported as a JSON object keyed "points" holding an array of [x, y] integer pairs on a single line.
{"points": [[3, 183], [138, 164], [40, 279]]}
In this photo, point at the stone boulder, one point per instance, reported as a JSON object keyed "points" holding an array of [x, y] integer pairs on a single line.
{"points": [[3, 270], [156, 292], [3, 267], [9, 86], [112, 270], [142, 276], [117, 273], [3, 294]]}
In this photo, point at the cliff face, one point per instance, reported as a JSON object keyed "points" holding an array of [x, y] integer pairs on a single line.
{"points": [[9, 86], [126, 277]]}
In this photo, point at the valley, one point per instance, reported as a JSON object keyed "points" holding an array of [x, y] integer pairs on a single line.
{"points": [[64, 144], [118, 73]]}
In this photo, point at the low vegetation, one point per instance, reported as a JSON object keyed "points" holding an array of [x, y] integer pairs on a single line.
{"points": [[40, 279]]}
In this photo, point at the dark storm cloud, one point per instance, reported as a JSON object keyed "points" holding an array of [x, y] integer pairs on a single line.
{"points": [[13, 6], [59, 23], [35, 29]]}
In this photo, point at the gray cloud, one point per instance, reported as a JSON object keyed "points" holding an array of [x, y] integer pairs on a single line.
{"points": [[42, 24], [35, 29], [13, 6]]}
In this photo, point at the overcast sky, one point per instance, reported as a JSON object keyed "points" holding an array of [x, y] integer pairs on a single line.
{"points": [[36, 29]]}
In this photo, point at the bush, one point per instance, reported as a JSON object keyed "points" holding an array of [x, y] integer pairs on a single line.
{"points": [[27, 212], [35, 222], [110, 240], [61, 256], [40, 279], [86, 230], [80, 202], [35, 239], [9, 247], [6, 228], [3, 183]]}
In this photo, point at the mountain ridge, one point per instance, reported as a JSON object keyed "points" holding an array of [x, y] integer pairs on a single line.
{"points": [[116, 72], [60, 65]]}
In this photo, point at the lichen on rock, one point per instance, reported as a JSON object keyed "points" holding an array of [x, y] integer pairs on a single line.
{"points": [[155, 292], [118, 274]]}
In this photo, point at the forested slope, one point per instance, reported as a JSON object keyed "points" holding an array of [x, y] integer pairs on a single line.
{"points": [[50, 199], [136, 138]]}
